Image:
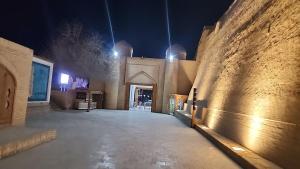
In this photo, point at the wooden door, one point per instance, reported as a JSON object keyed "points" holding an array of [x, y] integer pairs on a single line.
{"points": [[7, 92]]}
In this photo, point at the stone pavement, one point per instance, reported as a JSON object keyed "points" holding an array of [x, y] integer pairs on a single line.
{"points": [[108, 139]]}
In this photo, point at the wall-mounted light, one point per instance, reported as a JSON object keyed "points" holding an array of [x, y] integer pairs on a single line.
{"points": [[238, 149], [64, 78]]}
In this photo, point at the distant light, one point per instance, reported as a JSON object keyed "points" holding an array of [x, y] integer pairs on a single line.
{"points": [[171, 57], [116, 53], [64, 78], [238, 149]]}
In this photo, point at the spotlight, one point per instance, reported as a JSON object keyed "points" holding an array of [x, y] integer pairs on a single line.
{"points": [[171, 57], [116, 53], [237, 149]]}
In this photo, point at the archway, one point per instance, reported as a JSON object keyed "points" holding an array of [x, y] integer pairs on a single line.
{"points": [[141, 78], [153, 94], [7, 94]]}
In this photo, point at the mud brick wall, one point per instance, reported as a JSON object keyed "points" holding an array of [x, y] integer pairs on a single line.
{"points": [[249, 74], [17, 60]]}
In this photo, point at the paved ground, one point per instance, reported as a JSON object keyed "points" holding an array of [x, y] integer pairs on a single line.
{"points": [[118, 140]]}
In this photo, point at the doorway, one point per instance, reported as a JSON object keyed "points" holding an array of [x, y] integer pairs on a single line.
{"points": [[141, 97], [7, 93]]}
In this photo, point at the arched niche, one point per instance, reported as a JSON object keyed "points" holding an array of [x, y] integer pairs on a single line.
{"points": [[142, 77], [7, 95]]}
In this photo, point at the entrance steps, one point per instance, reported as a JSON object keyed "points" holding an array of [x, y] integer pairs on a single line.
{"points": [[14, 140]]}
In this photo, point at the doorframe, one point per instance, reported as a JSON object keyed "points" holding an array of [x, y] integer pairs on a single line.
{"points": [[154, 94], [13, 95]]}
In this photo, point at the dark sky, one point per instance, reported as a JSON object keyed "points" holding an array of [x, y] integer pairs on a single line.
{"points": [[142, 23]]}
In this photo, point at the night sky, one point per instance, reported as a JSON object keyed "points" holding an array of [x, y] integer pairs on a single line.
{"points": [[142, 23]]}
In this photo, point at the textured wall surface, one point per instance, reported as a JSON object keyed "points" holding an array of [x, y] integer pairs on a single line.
{"points": [[249, 74], [179, 77], [171, 83], [187, 70], [18, 60], [111, 89], [96, 84]]}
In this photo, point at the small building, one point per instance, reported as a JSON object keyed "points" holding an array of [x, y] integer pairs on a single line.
{"points": [[25, 80], [15, 74]]}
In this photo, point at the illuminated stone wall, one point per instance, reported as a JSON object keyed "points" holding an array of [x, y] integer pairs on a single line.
{"points": [[186, 76], [17, 60], [249, 73]]}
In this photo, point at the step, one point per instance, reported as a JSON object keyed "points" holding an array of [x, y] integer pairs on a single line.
{"points": [[184, 117], [243, 156], [18, 139]]}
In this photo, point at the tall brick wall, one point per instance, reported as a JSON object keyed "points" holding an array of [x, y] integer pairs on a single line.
{"points": [[249, 73]]}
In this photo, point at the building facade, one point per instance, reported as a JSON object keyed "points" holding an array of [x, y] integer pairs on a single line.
{"points": [[166, 76]]}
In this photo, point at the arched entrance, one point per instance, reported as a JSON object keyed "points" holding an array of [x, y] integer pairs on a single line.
{"points": [[154, 95], [141, 80], [7, 93]]}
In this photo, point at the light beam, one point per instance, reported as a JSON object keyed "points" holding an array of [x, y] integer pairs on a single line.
{"points": [[110, 23], [168, 25]]}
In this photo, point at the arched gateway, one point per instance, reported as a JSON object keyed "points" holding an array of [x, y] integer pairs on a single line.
{"points": [[141, 80], [7, 93]]}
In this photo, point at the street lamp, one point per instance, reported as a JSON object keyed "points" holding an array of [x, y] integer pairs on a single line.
{"points": [[171, 57], [115, 53]]}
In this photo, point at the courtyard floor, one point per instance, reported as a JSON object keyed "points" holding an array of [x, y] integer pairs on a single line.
{"points": [[107, 139]]}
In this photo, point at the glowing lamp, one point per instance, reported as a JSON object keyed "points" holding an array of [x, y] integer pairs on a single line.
{"points": [[64, 78], [171, 57], [116, 53], [238, 149]]}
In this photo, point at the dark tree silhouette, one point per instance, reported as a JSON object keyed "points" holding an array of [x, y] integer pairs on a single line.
{"points": [[80, 52]]}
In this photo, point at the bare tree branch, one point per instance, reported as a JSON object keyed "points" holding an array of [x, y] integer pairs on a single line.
{"points": [[81, 52]]}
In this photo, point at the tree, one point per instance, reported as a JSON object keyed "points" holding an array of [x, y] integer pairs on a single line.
{"points": [[80, 52]]}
